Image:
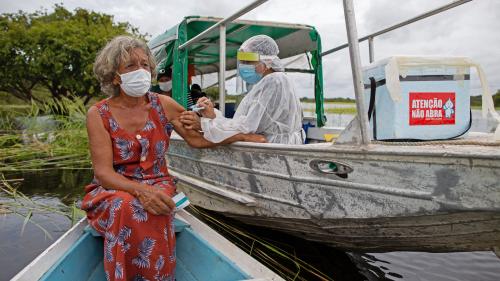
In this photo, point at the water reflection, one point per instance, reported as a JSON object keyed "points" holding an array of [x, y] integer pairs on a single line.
{"points": [[428, 266], [66, 185], [50, 188], [16, 250]]}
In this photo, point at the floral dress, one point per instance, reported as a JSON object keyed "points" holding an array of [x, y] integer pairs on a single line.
{"points": [[137, 245]]}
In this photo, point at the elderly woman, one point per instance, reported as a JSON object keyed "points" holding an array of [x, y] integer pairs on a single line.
{"points": [[271, 107], [129, 201]]}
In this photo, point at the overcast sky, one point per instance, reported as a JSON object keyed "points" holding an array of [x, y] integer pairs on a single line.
{"points": [[470, 30]]}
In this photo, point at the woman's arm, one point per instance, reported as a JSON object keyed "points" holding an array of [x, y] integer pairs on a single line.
{"points": [[249, 116], [101, 151], [192, 137]]}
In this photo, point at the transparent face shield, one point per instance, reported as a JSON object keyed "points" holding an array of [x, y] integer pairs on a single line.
{"points": [[247, 64], [243, 58], [241, 87]]}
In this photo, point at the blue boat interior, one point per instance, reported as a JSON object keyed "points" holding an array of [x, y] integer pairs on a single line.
{"points": [[196, 259]]}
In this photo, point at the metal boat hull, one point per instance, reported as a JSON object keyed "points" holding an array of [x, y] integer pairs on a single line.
{"points": [[427, 198]]}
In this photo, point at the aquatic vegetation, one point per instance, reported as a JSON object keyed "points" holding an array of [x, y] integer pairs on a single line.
{"points": [[12, 201], [281, 261], [49, 135]]}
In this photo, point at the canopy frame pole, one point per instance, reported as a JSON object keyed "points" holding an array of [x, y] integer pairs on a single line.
{"points": [[371, 50], [221, 25], [214, 42], [229, 19], [286, 69], [222, 69], [352, 38], [401, 24]]}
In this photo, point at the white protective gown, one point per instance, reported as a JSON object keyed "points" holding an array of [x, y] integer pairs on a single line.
{"points": [[271, 108]]}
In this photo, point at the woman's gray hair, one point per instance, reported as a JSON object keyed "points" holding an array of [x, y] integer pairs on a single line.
{"points": [[109, 58]]}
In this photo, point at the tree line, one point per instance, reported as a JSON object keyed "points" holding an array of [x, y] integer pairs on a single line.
{"points": [[54, 50], [477, 100], [57, 50]]}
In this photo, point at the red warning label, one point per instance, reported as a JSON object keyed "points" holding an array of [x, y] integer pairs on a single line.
{"points": [[432, 108]]}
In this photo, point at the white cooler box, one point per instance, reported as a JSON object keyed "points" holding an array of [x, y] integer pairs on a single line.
{"points": [[418, 98]]}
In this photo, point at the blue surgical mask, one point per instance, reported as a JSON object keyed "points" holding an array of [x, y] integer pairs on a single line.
{"points": [[248, 74]]}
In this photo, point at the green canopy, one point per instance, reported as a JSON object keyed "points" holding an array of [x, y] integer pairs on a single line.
{"points": [[292, 40]]}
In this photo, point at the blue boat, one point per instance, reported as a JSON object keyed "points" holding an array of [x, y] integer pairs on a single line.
{"points": [[202, 254]]}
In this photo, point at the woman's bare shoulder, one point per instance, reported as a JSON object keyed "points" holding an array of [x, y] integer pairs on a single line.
{"points": [[94, 109], [169, 104], [93, 112]]}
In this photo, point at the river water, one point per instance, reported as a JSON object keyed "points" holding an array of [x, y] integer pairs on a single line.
{"points": [[66, 186]]}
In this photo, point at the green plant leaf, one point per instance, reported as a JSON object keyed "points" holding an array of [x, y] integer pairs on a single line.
{"points": [[26, 220]]}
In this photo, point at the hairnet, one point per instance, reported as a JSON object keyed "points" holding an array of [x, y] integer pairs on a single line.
{"points": [[267, 48]]}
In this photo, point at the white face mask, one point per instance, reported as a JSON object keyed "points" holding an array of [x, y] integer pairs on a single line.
{"points": [[136, 83], [165, 86]]}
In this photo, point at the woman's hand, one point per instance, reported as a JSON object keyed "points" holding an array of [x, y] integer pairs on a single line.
{"points": [[154, 200], [190, 120], [209, 111]]}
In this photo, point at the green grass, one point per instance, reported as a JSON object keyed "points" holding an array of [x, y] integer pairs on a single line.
{"points": [[335, 110], [8, 107], [330, 100], [479, 107], [339, 102], [39, 92], [63, 145]]}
